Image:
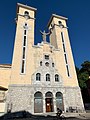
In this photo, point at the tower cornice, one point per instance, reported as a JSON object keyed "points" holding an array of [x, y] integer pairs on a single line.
{"points": [[25, 6], [56, 16]]}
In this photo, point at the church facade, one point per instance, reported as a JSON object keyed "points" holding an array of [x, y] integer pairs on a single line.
{"points": [[42, 77]]}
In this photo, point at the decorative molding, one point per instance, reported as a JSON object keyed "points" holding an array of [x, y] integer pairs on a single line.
{"points": [[26, 16]]}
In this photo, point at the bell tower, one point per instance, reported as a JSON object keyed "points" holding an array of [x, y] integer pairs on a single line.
{"points": [[24, 40], [60, 40], [59, 28]]}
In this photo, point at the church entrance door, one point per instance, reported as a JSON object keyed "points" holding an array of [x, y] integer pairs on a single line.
{"points": [[49, 105], [49, 102]]}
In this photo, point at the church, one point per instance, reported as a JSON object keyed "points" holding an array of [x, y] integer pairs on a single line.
{"points": [[41, 77]]}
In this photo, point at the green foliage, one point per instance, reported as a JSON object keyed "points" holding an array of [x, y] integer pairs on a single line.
{"points": [[86, 66], [82, 78], [83, 74]]}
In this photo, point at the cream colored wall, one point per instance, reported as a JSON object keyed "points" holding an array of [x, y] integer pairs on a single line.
{"points": [[5, 74], [2, 107], [16, 76]]}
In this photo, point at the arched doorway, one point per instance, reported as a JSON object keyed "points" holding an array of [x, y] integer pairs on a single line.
{"points": [[49, 102], [38, 102], [59, 101]]}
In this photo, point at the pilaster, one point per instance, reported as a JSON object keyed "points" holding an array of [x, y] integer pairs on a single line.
{"points": [[44, 104], [54, 103]]}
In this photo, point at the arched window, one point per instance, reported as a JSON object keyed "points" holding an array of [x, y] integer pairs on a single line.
{"points": [[56, 78], [52, 64], [40, 63], [26, 13], [60, 24], [38, 76], [59, 100], [49, 95], [38, 102], [38, 95], [47, 77], [58, 95]]}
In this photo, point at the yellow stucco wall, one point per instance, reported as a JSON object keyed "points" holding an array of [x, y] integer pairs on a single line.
{"points": [[2, 107], [16, 76], [55, 37], [5, 73]]}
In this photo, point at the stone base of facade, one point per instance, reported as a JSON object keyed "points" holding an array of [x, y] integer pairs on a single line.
{"points": [[21, 97]]}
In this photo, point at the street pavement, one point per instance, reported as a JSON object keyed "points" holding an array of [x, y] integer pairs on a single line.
{"points": [[65, 116]]}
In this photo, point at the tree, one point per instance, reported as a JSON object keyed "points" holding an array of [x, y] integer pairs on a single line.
{"points": [[86, 66], [82, 78], [83, 74]]}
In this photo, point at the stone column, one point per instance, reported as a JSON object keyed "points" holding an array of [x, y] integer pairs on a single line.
{"points": [[65, 102], [44, 104], [54, 103]]}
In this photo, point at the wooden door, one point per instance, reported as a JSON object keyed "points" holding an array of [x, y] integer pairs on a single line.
{"points": [[48, 105]]}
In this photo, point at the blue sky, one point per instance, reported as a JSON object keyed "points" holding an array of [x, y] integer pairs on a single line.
{"points": [[77, 11]]}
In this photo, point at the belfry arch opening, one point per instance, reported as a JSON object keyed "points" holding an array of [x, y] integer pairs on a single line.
{"points": [[49, 102]]}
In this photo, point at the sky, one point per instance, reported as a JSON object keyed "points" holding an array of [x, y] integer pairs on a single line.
{"points": [[77, 12]]}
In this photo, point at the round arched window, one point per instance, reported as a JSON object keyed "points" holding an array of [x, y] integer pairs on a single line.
{"points": [[47, 77], [58, 95], [26, 13], [38, 95], [56, 78], [48, 95], [40, 63], [38, 76]]}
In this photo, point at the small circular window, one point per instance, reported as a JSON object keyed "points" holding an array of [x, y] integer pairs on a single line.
{"points": [[47, 64]]}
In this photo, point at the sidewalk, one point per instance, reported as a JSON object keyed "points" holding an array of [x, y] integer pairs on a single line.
{"points": [[78, 115]]}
